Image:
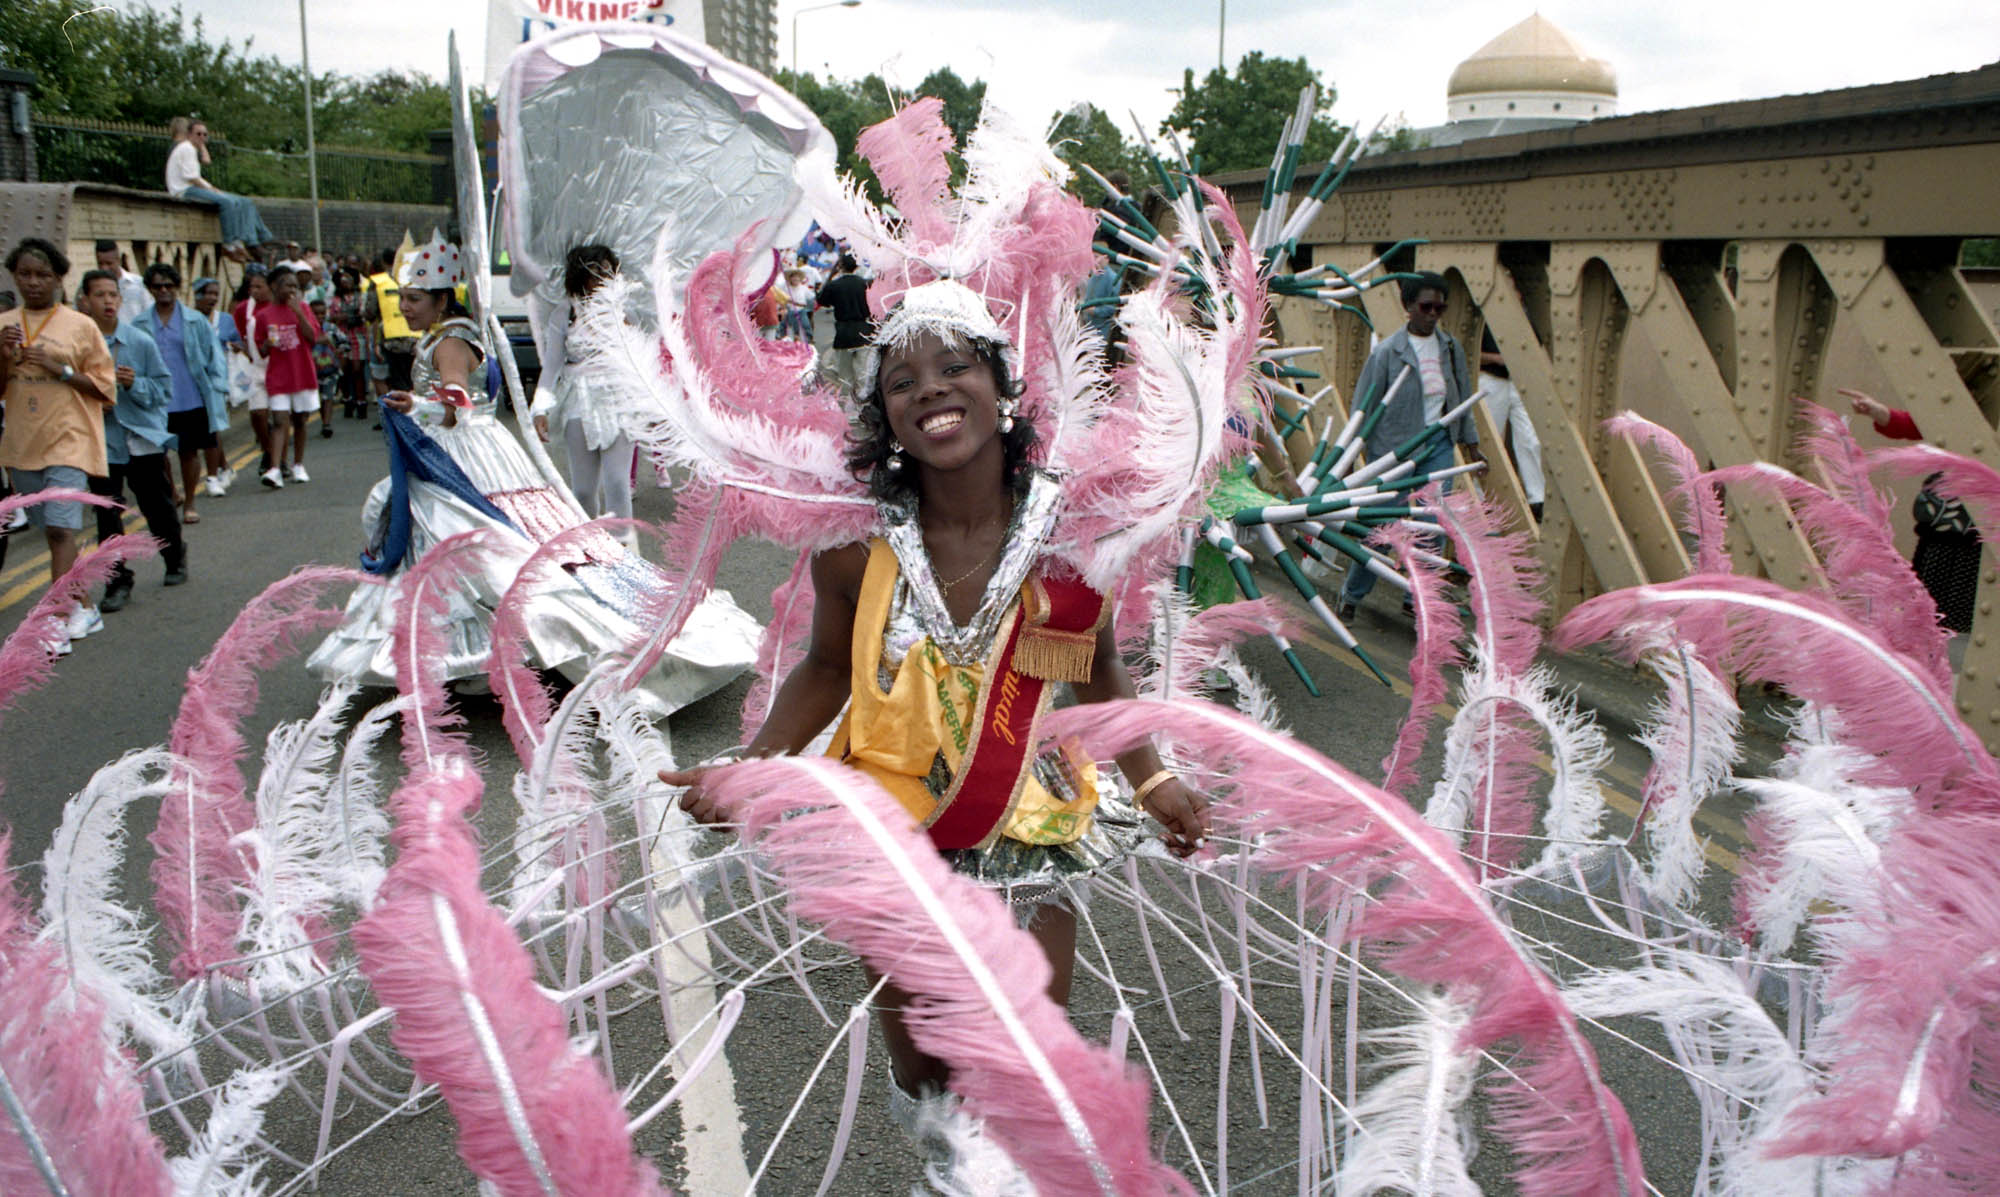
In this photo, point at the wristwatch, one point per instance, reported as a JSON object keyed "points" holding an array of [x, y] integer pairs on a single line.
{"points": [[68, 372]]}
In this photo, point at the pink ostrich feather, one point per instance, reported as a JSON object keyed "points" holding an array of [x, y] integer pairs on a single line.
{"points": [[1864, 572], [534, 1115], [1197, 644], [1765, 632], [908, 153], [1973, 483], [198, 873], [1503, 592], [783, 645], [85, 1117], [1436, 651], [1912, 1008], [754, 376], [1066, 1111], [1334, 836], [27, 657], [1701, 511]]}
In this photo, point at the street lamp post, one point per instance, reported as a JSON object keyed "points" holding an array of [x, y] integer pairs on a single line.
{"points": [[795, 26], [312, 150]]}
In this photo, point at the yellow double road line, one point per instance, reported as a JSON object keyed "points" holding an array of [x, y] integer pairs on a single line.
{"points": [[1621, 800], [26, 578]]}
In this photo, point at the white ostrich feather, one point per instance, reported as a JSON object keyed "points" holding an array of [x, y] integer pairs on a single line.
{"points": [[843, 209], [1693, 738], [106, 947], [1577, 748], [233, 1126], [1827, 833], [1182, 395], [1411, 1135], [1074, 382], [361, 824], [1742, 1069], [297, 842], [553, 789]]}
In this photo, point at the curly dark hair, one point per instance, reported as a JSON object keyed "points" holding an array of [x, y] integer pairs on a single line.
{"points": [[869, 438]]}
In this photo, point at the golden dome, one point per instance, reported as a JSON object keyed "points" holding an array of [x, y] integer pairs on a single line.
{"points": [[1533, 56]]}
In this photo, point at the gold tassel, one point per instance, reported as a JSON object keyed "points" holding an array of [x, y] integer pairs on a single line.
{"points": [[1055, 656]]}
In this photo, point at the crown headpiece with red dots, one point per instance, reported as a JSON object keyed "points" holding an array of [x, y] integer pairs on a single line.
{"points": [[434, 265]]}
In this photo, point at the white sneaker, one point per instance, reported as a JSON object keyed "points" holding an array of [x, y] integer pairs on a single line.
{"points": [[213, 485], [84, 621], [298, 473], [60, 645], [272, 478], [227, 477]]}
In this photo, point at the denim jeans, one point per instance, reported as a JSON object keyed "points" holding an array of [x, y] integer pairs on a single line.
{"points": [[240, 219]]}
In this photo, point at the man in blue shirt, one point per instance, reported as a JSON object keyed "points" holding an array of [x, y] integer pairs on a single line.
{"points": [[135, 437], [198, 412]]}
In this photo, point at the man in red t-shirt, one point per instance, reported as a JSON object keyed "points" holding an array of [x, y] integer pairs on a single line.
{"points": [[287, 332]]}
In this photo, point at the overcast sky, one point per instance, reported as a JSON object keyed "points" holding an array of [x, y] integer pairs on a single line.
{"points": [[1040, 56]]}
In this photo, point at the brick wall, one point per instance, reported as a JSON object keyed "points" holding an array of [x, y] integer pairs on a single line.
{"points": [[361, 227]]}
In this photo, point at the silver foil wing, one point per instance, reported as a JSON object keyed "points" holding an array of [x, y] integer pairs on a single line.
{"points": [[621, 134]]}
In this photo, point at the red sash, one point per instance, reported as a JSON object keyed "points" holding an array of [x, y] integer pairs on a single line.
{"points": [[1048, 638]]}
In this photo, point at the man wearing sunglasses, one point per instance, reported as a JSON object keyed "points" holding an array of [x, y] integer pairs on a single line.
{"points": [[1436, 381]]}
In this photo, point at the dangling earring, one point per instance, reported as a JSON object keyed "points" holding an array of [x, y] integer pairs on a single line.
{"points": [[1006, 416], [895, 462]]}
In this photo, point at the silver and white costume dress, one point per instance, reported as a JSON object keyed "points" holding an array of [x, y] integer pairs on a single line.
{"points": [[577, 613]]}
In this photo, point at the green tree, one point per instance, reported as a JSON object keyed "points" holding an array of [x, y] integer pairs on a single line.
{"points": [[962, 100], [1235, 119], [1086, 135]]}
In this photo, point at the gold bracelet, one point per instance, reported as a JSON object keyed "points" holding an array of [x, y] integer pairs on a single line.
{"points": [[1149, 785]]}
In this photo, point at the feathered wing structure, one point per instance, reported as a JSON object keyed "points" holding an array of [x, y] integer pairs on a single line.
{"points": [[1437, 651], [28, 654], [1154, 453], [852, 860], [71, 1116], [198, 870], [106, 949], [1745, 1073], [1864, 572], [1909, 1040], [1754, 629], [1412, 1136], [535, 1116], [1334, 835], [1692, 734], [1701, 511]]}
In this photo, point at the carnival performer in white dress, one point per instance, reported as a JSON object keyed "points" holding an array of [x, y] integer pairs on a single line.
{"points": [[601, 455], [453, 469]]}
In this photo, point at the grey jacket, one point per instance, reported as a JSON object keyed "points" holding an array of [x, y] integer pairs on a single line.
{"points": [[1405, 417]]}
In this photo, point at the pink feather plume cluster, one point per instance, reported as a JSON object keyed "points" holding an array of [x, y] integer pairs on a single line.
{"points": [[853, 861], [1436, 651], [534, 1115], [86, 1119], [198, 870], [1421, 913]]}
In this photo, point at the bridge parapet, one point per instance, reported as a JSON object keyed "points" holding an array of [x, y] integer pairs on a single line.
{"points": [[1705, 267]]}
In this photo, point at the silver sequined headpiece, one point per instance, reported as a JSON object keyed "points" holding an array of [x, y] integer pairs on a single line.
{"points": [[951, 311]]}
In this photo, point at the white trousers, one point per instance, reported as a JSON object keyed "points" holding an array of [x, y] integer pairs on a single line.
{"points": [[601, 479], [1503, 403]]}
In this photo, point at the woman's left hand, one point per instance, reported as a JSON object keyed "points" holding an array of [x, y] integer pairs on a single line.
{"points": [[1183, 815], [401, 401]]}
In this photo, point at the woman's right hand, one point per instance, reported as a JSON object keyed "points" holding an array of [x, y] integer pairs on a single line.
{"points": [[401, 401], [1867, 405], [696, 801], [542, 428]]}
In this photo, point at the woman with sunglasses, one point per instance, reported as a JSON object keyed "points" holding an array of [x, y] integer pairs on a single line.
{"points": [[1425, 366]]}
